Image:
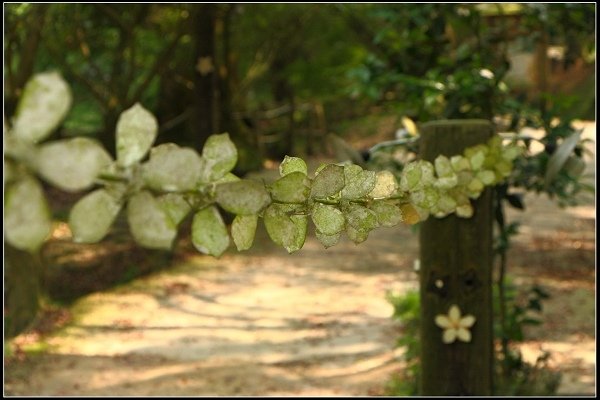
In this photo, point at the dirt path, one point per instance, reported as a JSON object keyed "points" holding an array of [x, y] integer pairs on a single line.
{"points": [[315, 322], [312, 323]]}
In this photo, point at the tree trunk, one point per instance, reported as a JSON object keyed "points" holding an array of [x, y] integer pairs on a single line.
{"points": [[205, 82], [22, 271], [26, 57], [456, 268]]}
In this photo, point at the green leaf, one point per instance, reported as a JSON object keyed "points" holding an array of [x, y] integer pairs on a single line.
{"points": [[361, 218], [486, 177], [459, 163], [388, 214], [220, 156], [45, 102], [175, 206], [356, 235], [291, 188], [425, 198], [476, 159], [443, 166], [417, 175], [72, 164], [243, 197], [209, 233], [288, 231], [91, 217], [327, 219], [465, 210], [229, 177], [26, 216], [385, 185], [243, 230], [358, 183], [136, 131], [328, 182], [560, 157], [172, 168], [292, 164], [328, 240], [149, 223]]}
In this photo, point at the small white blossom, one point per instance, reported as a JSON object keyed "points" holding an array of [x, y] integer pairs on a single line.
{"points": [[486, 73], [455, 326]]}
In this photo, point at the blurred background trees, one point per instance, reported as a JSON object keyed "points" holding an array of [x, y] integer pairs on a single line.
{"points": [[279, 76]]}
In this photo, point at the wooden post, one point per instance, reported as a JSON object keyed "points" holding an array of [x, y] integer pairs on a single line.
{"points": [[456, 268]]}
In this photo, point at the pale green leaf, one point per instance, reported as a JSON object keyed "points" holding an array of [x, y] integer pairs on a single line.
{"points": [[560, 157], [416, 175], [45, 102], [356, 235], [328, 240], [220, 156], [149, 223], [447, 182], [512, 151], [358, 184], [388, 214], [476, 159], [72, 164], [459, 163], [26, 216], [328, 219], [175, 206], [292, 164], [209, 233], [91, 217], [243, 197], [243, 230], [288, 231], [136, 131], [445, 205], [443, 166], [229, 177], [291, 188], [486, 177], [425, 198], [328, 182], [475, 187], [172, 168], [385, 185], [464, 211], [361, 218]]}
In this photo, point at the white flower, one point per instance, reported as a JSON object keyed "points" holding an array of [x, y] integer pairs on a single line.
{"points": [[454, 325]]}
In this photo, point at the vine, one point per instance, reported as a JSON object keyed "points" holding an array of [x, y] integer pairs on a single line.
{"points": [[159, 191]]}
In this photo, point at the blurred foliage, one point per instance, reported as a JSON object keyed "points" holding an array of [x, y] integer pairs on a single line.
{"points": [[425, 61], [522, 379]]}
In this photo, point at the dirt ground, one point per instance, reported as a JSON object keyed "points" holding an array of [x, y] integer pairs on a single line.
{"points": [[314, 323]]}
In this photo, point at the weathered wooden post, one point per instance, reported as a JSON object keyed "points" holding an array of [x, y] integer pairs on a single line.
{"points": [[456, 269]]}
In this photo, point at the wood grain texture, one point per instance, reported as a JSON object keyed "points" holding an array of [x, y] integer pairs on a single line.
{"points": [[459, 253]]}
